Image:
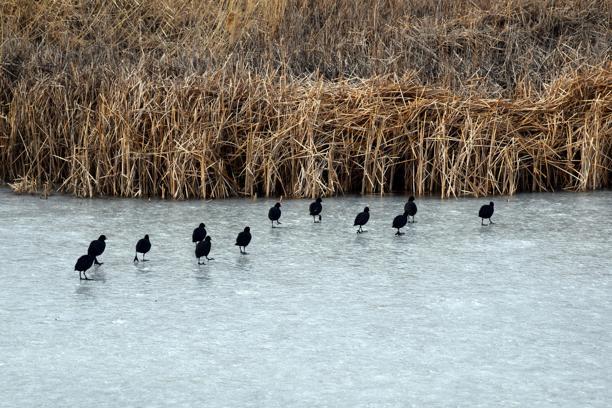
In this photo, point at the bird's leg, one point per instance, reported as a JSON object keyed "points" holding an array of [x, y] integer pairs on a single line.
{"points": [[200, 263], [144, 260], [278, 222], [86, 278], [273, 224], [96, 262], [136, 257], [80, 276], [314, 219], [482, 221], [397, 233], [491, 222], [319, 217]]}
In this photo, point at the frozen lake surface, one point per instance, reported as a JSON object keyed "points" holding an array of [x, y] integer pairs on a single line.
{"points": [[451, 314]]}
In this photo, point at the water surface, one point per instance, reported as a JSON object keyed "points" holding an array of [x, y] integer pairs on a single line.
{"points": [[451, 314]]}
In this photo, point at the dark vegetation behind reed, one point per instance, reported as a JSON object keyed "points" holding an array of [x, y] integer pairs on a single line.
{"points": [[204, 98]]}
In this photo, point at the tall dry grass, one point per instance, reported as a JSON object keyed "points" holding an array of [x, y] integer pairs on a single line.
{"points": [[207, 99]]}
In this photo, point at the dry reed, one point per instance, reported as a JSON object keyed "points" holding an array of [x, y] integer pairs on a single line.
{"points": [[190, 98]]}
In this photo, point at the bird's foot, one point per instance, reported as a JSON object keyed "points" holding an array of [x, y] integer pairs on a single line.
{"points": [[201, 263], [210, 259], [98, 263]]}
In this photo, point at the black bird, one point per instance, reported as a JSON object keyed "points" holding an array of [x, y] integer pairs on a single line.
{"points": [[83, 264], [96, 248], [410, 207], [199, 233], [203, 249], [400, 222], [315, 209], [243, 239], [275, 213], [142, 246], [486, 212], [362, 219]]}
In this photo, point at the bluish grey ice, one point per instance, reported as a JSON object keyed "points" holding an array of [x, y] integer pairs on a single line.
{"points": [[451, 314]]}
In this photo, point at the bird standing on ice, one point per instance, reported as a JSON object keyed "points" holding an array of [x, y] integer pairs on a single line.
{"points": [[275, 213], [142, 247], [362, 219], [96, 248], [203, 249], [410, 208], [486, 212], [315, 209], [400, 222], [243, 239], [83, 264]]}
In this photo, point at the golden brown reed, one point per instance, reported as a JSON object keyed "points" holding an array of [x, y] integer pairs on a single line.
{"points": [[213, 136], [208, 99]]}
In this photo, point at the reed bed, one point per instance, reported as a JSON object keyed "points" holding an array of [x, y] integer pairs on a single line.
{"points": [[200, 99], [216, 136]]}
